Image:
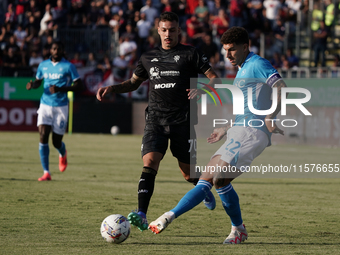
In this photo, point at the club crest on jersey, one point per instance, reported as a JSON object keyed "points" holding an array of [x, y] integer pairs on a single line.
{"points": [[204, 59], [154, 60], [154, 73], [176, 58]]}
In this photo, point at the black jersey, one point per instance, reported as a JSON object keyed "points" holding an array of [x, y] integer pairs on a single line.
{"points": [[169, 73]]}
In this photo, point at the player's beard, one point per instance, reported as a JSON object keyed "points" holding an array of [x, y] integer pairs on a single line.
{"points": [[56, 57]]}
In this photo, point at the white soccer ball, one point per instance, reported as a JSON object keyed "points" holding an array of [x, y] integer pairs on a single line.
{"points": [[115, 228], [114, 130]]}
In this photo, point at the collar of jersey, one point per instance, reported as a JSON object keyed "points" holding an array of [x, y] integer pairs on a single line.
{"points": [[169, 50], [248, 58]]}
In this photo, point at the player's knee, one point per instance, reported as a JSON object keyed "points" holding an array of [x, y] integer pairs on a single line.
{"points": [[191, 180], [43, 136], [220, 182], [151, 162]]}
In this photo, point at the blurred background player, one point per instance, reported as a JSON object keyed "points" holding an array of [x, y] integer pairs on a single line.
{"points": [[169, 69], [53, 110], [243, 143]]}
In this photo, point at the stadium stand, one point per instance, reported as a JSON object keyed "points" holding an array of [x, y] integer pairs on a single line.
{"points": [[286, 32]]}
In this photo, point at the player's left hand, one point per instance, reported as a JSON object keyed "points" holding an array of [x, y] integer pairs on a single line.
{"points": [[194, 93], [54, 89], [272, 127]]}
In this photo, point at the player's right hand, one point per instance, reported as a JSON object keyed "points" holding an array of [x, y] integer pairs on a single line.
{"points": [[217, 135], [29, 85], [103, 91]]}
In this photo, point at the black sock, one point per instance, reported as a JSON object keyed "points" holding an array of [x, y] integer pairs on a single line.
{"points": [[145, 188]]}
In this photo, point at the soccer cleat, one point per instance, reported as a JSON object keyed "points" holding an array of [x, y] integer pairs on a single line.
{"points": [[236, 236], [160, 224], [209, 201], [63, 162], [45, 177], [138, 220]]}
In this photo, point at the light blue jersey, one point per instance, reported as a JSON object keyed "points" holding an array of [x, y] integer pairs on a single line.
{"points": [[61, 74], [256, 73]]}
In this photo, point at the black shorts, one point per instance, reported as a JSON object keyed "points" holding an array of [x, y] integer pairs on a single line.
{"points": [[182, 141]]}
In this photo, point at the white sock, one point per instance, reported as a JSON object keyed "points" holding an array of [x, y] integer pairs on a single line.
{"points": [[171, 215], [46, 171]]}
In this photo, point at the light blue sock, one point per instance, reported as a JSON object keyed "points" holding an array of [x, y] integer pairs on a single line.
{"points": [[192, 198], [231, 204], [44, 152], [62, 149]]}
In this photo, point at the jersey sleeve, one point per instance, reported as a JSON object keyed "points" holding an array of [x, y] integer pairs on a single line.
{"points": [[266, 70], [73, 72], [202, 62], [39, 74], [140, 70]]}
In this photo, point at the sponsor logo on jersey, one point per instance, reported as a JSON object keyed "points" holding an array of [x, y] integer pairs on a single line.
{"points": [[170, 73], [154, 60], [154, 73], [165, 85], [44, 68], [176, 58], [53, 75]]}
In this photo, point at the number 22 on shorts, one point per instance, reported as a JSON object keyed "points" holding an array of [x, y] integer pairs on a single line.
{"points": [[233, 146]]}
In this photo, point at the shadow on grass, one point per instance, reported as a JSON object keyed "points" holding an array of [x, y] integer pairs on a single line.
{"points": [[16, 179], [286, 183], [220, 243]]}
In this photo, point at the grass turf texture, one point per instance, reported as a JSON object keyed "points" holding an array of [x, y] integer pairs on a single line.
{"points": [[283, 216]]}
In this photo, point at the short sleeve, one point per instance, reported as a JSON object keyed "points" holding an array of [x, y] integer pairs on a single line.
{"points": [[202, 62], [140, 70], [73, 72], [39, 74], [266, 70]]}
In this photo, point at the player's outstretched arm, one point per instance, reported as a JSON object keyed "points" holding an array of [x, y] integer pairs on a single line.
{"points": [[77, 86], [270, 124], [33, 84], [125, 86], [217, 134]]}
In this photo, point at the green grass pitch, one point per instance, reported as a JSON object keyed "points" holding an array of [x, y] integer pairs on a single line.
{"points": [[282, 215]]}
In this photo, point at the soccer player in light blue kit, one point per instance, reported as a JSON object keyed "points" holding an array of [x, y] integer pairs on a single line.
{"points": [[243, 143], [58, 75]]}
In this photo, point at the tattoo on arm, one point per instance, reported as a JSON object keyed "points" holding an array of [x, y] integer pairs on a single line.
{"points": [[213, 77], [129, 85]]}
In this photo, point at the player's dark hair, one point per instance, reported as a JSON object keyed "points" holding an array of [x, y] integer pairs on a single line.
{"points": [[237, 35], [59, 43], [168, 16]]}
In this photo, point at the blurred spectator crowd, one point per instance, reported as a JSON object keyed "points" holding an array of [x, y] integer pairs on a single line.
{"points": [[27, 29]]}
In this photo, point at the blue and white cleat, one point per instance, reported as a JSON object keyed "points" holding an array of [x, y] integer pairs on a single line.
{"points": [[139, 220], [209, 201]]}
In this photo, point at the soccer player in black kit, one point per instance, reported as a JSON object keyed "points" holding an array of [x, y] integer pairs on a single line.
{"points": [[169, 68]]}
